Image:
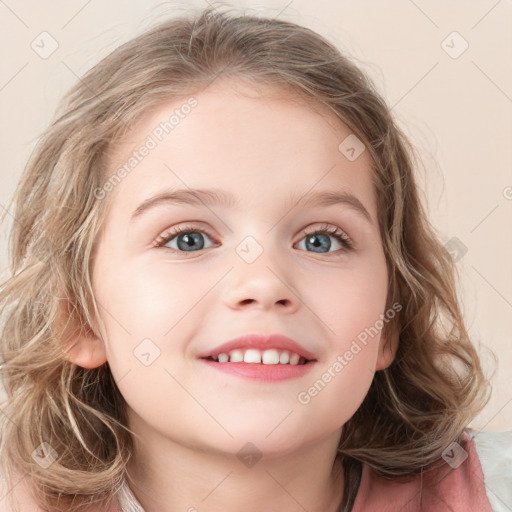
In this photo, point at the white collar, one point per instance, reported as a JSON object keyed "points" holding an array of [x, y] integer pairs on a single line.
{"points": [[127, 501]]}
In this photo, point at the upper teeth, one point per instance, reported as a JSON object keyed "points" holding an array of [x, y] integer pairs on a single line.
{"points": [[253, 355]]}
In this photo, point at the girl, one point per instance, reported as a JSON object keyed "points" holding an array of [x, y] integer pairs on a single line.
{"points": [[308, 354]]}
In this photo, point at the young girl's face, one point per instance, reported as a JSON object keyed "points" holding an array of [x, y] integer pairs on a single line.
{"points": [[251, 267]]}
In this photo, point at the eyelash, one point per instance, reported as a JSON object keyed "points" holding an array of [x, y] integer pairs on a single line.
{"points": [[341, 236], [161, 241]]}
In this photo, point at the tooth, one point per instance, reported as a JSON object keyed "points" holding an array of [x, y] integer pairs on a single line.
{"points": [[270, 356], [284, 358], [294, 358], [236, 356], [252, 356]]}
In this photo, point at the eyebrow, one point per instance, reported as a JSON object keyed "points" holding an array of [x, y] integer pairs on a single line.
{"points": [[217, 197]]}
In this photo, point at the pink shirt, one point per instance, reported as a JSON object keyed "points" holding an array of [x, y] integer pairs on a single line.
{"points": [[476, 477], [444, 489], [464, 486], [459, 485]]}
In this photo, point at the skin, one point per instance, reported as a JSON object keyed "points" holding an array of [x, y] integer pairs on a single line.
{"points": [[190, 420]]}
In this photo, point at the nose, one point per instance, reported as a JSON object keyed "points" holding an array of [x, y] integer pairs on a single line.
{"points": [[263, 284]]}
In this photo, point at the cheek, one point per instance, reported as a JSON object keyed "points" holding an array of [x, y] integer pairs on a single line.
{"points": [[142, 301], [148, 320], [351, 307], [349, 301], [339, 385], [337, 391]]}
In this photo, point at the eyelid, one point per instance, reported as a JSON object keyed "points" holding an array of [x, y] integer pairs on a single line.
{"points": [[171, 233], [332, 230]]}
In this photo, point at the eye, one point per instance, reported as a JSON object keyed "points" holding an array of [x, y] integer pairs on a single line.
{"points": [[318, 240], [187, 238]]}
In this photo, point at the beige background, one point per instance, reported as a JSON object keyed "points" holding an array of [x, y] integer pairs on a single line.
{"points": [[455, 105]]}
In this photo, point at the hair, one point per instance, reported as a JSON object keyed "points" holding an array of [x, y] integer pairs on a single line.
{"points": [[414, 408]]}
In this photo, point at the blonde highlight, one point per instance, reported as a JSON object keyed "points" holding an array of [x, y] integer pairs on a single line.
{"points": [[414, 409]]}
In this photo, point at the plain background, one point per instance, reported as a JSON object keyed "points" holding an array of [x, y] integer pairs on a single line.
{"points": [[443, 67]]}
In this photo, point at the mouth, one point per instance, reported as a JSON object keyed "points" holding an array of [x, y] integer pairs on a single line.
{"points": [[258, 356], [270, 356], [260, 349]]}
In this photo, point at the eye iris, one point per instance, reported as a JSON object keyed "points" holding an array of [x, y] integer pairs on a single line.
{"points": [[313, 241], [188, 241]]}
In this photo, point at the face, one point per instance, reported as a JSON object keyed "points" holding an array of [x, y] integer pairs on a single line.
{"points": [[270, 260]]}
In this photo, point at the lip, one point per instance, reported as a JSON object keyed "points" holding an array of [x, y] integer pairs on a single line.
{"points": [[260, 342], [262, 372]]}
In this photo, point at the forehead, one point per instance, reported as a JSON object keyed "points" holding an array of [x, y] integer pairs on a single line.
{"points": [[255, 142]]}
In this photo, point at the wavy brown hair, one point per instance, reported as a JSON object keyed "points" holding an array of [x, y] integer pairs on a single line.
{"points": [[414, 409]]}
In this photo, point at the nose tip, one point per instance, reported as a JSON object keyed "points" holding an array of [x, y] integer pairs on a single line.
{"points": [[261, 296], [264, 284]]}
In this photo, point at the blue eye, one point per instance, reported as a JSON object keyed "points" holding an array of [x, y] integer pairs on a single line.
{"points": [[319, 239], [190, 239]]}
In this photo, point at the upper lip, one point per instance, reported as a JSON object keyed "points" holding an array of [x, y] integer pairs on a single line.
{"points": [[260, 342]]}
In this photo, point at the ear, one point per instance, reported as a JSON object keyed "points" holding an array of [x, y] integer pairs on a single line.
{"points": [[81, 345], [85, 349], [388, 346]]}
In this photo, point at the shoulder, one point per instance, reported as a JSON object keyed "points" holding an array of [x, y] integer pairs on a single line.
{"points": [[19, 498], [473, 475], [495, 455]]}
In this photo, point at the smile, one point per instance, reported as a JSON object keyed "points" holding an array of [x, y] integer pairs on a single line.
{"points": [[270, 356]]}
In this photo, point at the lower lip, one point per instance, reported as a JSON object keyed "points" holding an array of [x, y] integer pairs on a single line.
{"points": [[259, 371]]}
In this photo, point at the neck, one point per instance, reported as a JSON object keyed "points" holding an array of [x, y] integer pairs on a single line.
{"points": [[165, 475]]}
